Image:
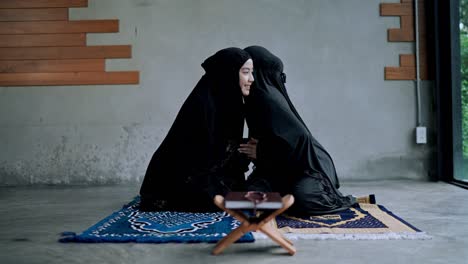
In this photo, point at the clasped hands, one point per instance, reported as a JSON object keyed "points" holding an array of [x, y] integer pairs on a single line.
{"points": [[249, 148]]}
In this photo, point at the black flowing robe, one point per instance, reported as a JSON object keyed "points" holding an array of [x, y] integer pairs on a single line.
{"points": [[198, 158], [289, 158]]}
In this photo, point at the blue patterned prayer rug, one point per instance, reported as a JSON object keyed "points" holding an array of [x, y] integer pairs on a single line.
{"points": [[365, 221], [131, 225]]}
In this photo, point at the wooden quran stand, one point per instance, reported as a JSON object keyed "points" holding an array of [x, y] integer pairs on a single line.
{"points": [[260, 223]]}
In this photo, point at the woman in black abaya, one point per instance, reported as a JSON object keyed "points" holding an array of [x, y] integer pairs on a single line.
{"points": [[288, 159], [198, 159]]}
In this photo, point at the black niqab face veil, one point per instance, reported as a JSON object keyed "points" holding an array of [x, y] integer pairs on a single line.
{"points": [[284, 139], [209, 119], [270, 78]]}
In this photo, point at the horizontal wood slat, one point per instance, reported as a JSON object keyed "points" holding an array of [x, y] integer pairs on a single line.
{"points": [[43, 40], [83, 65], [400, 9], [399, 35], [45, 53], [44, 14], [82, 26], [400, 73], [396, 9], [42, 3], [79, 78], [405, 73]]}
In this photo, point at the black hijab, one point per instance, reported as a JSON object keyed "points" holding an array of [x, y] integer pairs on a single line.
{"points": [[286, 148], [209, 119]]}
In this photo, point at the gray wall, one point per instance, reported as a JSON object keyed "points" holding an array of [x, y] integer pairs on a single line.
{"points": [[334, 52]]}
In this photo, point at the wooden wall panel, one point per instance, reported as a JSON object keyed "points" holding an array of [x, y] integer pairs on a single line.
{"points": [[47, 53], [43, 40], [35, 14], [42, 3], [406, 33], [79, 65], [89, 26], [77, 78], [39, 45]]}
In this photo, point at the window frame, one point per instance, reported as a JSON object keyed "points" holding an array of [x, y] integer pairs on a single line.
{"points": [[446, 32]]}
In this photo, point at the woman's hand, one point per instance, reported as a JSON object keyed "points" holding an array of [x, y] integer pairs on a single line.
{"points": [[249, 149]]}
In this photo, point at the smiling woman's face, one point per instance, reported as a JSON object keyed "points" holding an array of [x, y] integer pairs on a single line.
{"points": [[246, 77]]}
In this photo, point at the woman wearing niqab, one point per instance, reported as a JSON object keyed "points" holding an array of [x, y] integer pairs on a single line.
{"points": [[198, 158], [288, 158]]}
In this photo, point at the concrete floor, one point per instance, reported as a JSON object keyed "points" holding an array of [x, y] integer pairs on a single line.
{"points": [[32, 217]]}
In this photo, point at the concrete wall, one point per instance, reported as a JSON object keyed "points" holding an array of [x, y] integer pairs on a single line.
{"points": [[334, 52]]}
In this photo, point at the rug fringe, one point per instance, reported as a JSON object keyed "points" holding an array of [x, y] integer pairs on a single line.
{"points": [[384, 236], [67, 236]]}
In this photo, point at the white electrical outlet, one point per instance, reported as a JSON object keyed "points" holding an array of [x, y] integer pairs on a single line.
{"points": [[421, 137]]}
